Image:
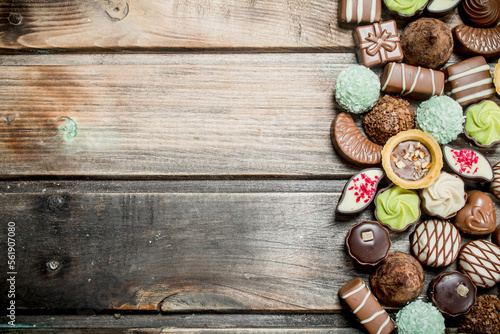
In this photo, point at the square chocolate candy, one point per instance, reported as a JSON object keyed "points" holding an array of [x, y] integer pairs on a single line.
{"points": [[378, 44], [359, 11], [469, 81]]}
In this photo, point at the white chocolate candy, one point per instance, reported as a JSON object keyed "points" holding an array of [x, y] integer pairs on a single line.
{"points": [[495, 184], [469, 164], [480, 260], [435, 243], [445, 196], [360, 191]]}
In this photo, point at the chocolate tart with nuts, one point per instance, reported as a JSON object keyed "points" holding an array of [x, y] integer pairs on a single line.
{"points": [[412, 159]]}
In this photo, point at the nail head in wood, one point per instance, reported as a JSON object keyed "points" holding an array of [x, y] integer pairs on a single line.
{"points": [[15, 18]]}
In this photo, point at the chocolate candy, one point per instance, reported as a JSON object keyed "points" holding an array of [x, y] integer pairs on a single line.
{"points": [[495, 184], [359, 191], [469, 164], [480, 260], [413, 81], [480, 13], [378, 44], [453, 293], [351, 144], [440, 8], [366, 308], [478, 216], [435, 243], [471, 41], [368, 242], [359, 11], [469, 81], [398, 280], [495, 237]]}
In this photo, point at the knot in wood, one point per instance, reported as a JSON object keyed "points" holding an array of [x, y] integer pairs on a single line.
{"points": [[53, 265], [15, 18], [55, 203]]}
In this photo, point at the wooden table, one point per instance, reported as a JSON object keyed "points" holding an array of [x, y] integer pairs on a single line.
{"points": [[168, 166]]}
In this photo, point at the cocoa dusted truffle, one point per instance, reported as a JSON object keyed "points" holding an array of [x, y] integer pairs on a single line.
{"points": [[390, 116], [427, 42], [483, 318], [398, 280]]}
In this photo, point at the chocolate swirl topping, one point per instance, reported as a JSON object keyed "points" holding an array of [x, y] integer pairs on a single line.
{"points": [[480, 13]]}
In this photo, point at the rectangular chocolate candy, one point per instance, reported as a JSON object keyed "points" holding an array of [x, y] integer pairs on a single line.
{"points": [[378, 44], [469, 81], [366, 307], [412, 81], [359, 11]]}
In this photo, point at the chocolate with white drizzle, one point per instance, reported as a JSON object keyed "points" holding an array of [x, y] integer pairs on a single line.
{"points": [[366, 307], [412, 81], [359, 11], [480, 260]]}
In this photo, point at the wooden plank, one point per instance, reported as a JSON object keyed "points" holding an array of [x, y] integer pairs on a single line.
{"points": [[181, 252], [261, 114]]}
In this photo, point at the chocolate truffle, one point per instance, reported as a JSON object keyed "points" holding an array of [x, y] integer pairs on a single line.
{"points": [[366, 307], [495, 237], [357, 89], [368, 242], [478, 216], [470, 164], [484, 317], [427, 42], [480, 13], [398, 280], [441, 117], [359, 191], [453, 293], [390, 116], [435, 243], [420, 318], [480, 260]]}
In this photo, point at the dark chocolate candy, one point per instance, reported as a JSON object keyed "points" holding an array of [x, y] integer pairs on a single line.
{"points": [[471, 41], [478, 216], [360, 191], [440, 8], [378, 44], [453, 293], [412, 81], [495, 237], [368, 242], [359, 11], [470, 164], [480, 13], [351, 144], [469, 81]]}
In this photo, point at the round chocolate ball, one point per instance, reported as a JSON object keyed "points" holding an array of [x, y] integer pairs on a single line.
{"points": [[398, 280], [427, 42]]}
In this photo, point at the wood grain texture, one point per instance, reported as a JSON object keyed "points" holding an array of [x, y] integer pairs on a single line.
{"points": [[270, 25], [182, 252], [209, 115]]}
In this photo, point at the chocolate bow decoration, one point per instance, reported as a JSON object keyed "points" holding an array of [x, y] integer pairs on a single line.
{"points": [[379, 39]]}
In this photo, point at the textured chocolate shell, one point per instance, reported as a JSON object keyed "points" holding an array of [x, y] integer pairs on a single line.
{"points": [[480, 260], [435, 243], [480, 13], [471, 41], [351, 144]]}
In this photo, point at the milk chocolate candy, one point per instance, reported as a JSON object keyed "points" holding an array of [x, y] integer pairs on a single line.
{"points": [[453, 293], [480, 13], [366, 307], [359, 191], [435, 243], [359, 11], [351, 144], [440, 8], [478, 216], [469, 81], [368, 242], [470, 41], [495, 184], [470, 164], [412, 81], [378, 44], [480, 260], [495, 237]]}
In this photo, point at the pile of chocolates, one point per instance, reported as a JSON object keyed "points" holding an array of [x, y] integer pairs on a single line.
{"points": [[428, 177]]}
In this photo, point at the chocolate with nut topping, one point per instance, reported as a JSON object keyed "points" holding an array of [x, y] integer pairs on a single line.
{"points": [[411, 160]]}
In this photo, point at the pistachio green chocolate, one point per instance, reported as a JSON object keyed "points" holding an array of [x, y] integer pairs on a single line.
{"points": [[398, 207], [405, 7], [483, 122]]}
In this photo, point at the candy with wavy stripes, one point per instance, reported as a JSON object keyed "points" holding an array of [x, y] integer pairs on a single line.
{"points": [[480, 260], [495, 184], [366, 307], [435, 243], [480, 13]]}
